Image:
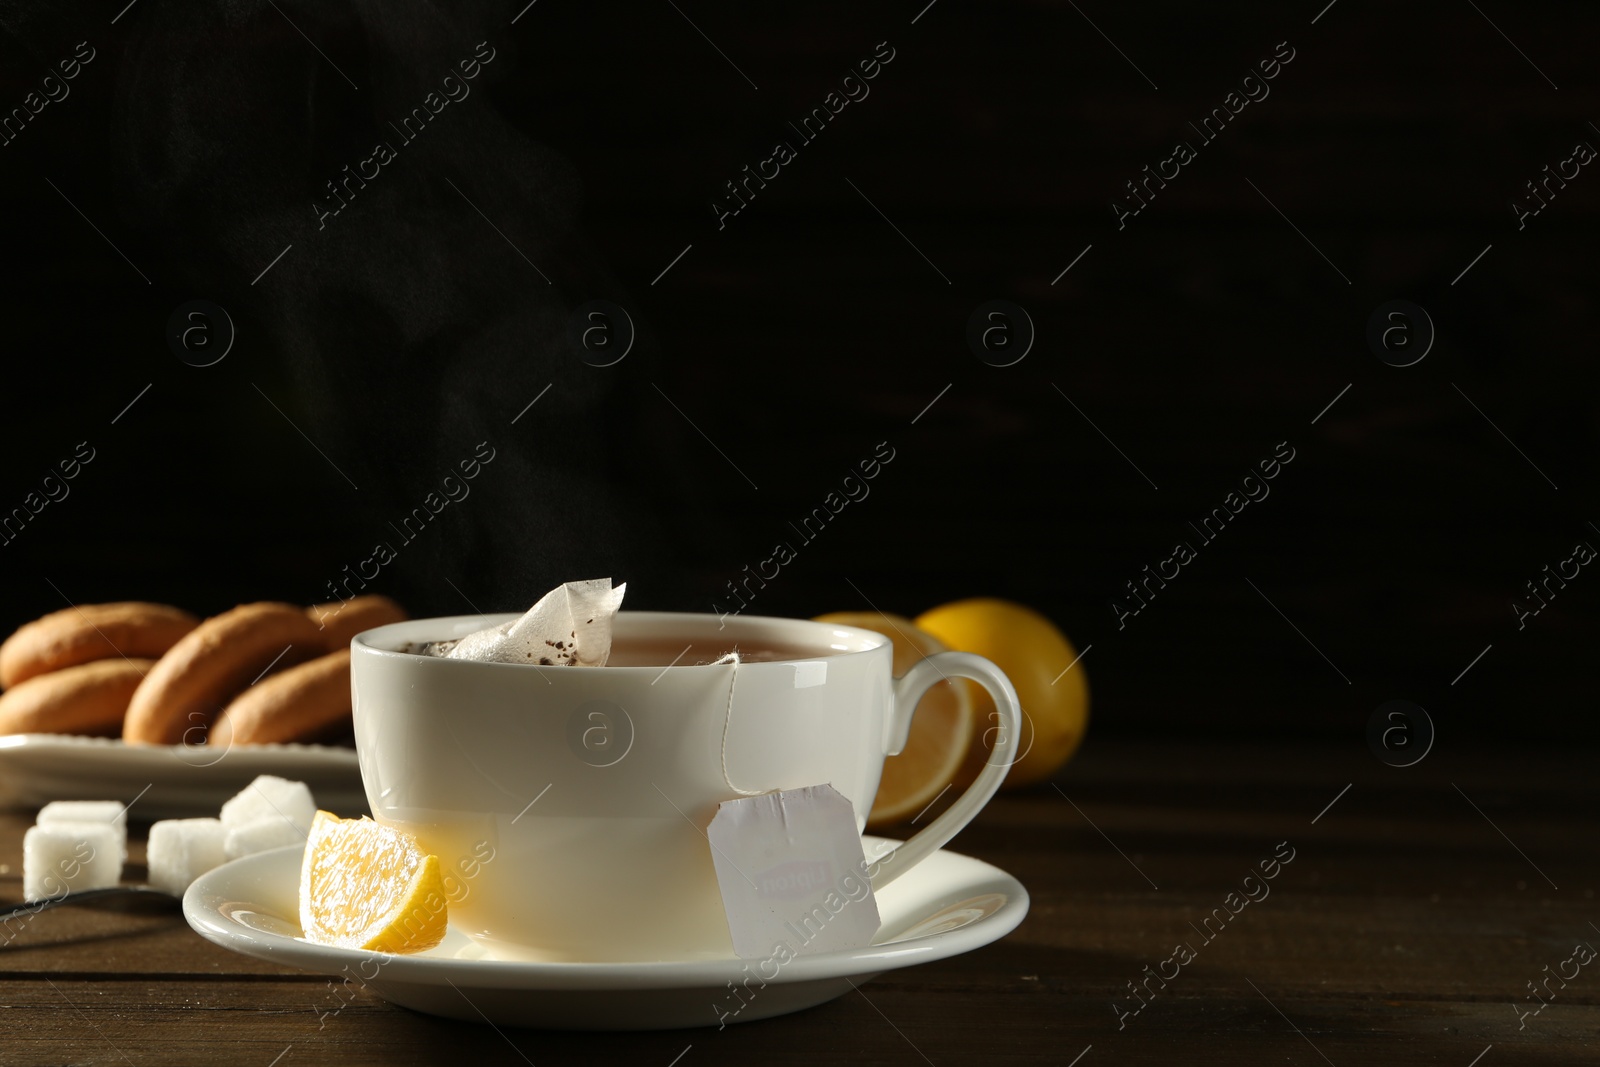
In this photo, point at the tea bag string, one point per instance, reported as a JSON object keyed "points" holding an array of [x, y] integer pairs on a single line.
{"points": [[732, 658]]}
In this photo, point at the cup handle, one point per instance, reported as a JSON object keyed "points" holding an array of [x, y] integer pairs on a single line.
{"points": [[908, 689]]}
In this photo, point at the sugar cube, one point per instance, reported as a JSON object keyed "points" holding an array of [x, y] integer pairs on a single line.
{"points": [[272, 797], [259, 835], [181, 850], [112, 812], [66, 856]]}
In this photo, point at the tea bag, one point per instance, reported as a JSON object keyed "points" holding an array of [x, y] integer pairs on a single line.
{"points": [[793, 874], [570, 626]]}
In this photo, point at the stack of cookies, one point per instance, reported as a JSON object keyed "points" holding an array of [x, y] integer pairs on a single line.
{"points": [[261, 673]]}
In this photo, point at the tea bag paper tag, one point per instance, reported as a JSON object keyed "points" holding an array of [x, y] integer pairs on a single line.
{"points": [[793, 874], [569, 626]]}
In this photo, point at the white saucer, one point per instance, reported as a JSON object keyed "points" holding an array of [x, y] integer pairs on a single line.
{"points": [[948, 904]]}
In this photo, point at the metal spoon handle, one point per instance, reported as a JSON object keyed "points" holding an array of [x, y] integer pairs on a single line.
{"points": [[80, 896]]}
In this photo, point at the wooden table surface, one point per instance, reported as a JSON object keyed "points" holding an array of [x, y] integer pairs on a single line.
{"points": [[1418, 905]]}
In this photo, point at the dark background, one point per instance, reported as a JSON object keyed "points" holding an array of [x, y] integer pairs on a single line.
{"points": [[780, 350]]}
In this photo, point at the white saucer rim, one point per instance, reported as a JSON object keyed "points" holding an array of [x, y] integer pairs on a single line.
{"points": [[210, 923]]}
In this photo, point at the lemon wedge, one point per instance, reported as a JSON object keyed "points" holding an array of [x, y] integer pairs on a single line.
{"points": [[941, 728], [368, 886]]}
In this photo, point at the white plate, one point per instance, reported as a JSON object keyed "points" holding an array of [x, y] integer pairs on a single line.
{"points": [[946, 905], [168, 780]]}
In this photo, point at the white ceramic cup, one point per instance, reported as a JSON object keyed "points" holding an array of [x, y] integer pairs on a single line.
{"points": [[568, 805]]}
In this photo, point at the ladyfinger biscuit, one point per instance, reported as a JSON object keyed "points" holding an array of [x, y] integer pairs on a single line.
{"points": [[89, 632], [89, 698], [341, 620], [211, 665], [293, 705]]}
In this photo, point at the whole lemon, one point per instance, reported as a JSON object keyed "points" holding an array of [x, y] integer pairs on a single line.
{"points": [[1036, 656]]}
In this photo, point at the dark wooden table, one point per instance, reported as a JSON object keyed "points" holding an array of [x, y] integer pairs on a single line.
{"points": [[1418, 905]]}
